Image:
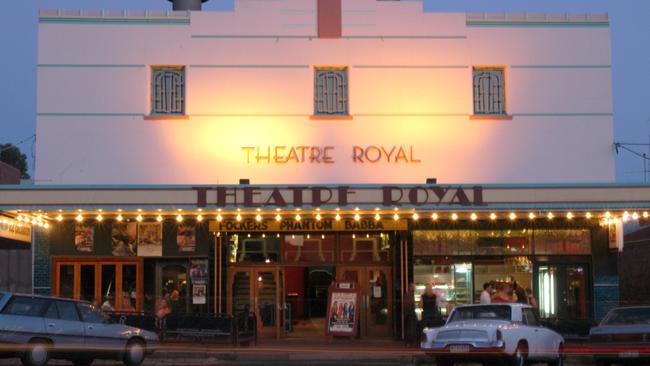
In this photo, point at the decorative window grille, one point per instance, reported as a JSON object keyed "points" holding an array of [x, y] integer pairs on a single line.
{"points": [[331, 92], [489, 91], [168, 90]]}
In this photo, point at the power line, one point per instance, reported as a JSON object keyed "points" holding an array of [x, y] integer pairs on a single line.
{"points": [[31, 137]]}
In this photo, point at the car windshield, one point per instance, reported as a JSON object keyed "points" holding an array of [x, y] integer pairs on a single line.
{"points": [[492, 312], [628, 317]]}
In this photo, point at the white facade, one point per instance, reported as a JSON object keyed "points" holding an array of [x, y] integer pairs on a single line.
{"points": [[250, 83]]}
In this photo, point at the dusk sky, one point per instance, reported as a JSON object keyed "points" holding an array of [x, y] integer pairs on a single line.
{"points": [[630, 29]]}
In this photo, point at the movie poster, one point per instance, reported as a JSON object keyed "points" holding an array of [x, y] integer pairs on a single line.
{"points": [[186, 238], [149, 239], [199, 295], [199, 271], [84, 238], [124, 239], [342, 312]]}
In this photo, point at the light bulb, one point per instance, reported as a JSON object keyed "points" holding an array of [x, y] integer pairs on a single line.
{"points": [[199, 218], [278, 217], [99, 217], [645, 214], [377, 217], [219, 217], [357, 217], [635, 216], [415, 216], [79, 218], [258, 218], [473, 216], [396, 217], [434, 216], [159, 218], [454, 216], [550, 216], [179, 218], [318, 217], [46, 225], [588, 215], [569, 215], [298, 218], [119, 218], [531, 216], [139, 218], [493, 216], [513, 216], [238, 218], [337, 217]]}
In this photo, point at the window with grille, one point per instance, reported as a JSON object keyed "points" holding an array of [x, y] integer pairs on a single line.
{"points": [[489, 91], [168, 91], [331, 92]]}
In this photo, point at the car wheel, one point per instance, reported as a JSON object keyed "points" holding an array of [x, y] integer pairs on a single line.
{"points": [[519, 357], [37, 353], [83, 362], [134, 353]]}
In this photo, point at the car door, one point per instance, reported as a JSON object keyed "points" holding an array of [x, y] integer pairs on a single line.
{"points": [[99, 332], [63, 325], [21, 319], [537, 337]]}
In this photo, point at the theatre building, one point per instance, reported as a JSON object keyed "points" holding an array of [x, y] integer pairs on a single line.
{"points": [[242, 160]]}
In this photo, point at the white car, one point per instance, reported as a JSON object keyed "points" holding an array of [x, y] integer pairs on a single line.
{"points": [[486, 333]]}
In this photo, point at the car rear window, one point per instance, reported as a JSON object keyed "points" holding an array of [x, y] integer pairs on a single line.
{"points": [[495, 312], [26, 306], [628, 317]]}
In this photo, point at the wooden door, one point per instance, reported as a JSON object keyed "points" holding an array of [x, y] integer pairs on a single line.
{"points": [[257, 290], [376, 310]]}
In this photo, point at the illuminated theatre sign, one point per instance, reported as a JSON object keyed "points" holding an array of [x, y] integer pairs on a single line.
{"points": [[318, 196], [306, 154]]}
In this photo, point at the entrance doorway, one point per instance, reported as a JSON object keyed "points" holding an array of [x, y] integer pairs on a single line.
{"points": [[563, 291], [306, 299], [376, 298], [258, 290]]}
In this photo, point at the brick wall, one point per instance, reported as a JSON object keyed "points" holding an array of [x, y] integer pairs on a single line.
{"points": [[42, 274]]}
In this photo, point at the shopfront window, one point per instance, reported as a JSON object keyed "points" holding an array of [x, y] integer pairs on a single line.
{"points": [[108, 287], [472, 242], [503, 272], [576, 241], [309, 248], [66, 281], [365, 248], [129, 290], [258, 248], [451, 282], [87, 282]]}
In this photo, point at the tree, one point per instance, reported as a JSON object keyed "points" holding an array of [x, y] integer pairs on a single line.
{"points": [[11, 155]]}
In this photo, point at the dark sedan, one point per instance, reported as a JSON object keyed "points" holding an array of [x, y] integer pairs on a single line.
{"points": [[623, 336]]}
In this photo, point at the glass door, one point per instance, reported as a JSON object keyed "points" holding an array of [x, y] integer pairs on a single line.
{"points": [[378, 300], [257, 290], [563, 291], [376, 309]]}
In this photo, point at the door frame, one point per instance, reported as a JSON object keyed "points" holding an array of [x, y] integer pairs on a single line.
{"points": [[263, 332], [561, 264], [98, 262]]}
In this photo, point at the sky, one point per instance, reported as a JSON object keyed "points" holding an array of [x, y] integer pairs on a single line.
{"points": [[630, 27]]}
